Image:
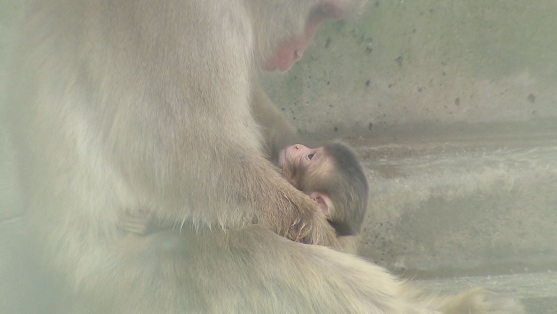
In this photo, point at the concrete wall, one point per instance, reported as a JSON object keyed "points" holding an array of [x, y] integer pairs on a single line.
{"points": [[15, 285], [426, 61]]}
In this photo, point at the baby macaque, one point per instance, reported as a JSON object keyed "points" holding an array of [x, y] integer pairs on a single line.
{"points": [[330, 175]]}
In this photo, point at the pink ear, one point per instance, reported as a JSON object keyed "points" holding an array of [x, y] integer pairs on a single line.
{"points": [[323, 200]]}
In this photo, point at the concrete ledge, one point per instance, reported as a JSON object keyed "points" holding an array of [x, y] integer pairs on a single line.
{"points": [[536, 291], [467, 201]]}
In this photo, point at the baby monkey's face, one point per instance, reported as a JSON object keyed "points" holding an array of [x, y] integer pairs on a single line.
{"points": [[302, 165]]}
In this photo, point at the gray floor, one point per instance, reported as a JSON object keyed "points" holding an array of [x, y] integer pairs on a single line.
{"points": [[537, 291], [465, 208]]}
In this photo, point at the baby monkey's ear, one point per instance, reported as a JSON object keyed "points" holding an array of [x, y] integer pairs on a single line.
{"points": [[324, 201]]}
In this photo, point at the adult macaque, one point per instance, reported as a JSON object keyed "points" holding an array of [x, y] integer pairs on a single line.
{"points": [[129, 105], [277, 132]]}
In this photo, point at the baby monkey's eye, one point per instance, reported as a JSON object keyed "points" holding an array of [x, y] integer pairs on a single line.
{"points": [[310, 156]]}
